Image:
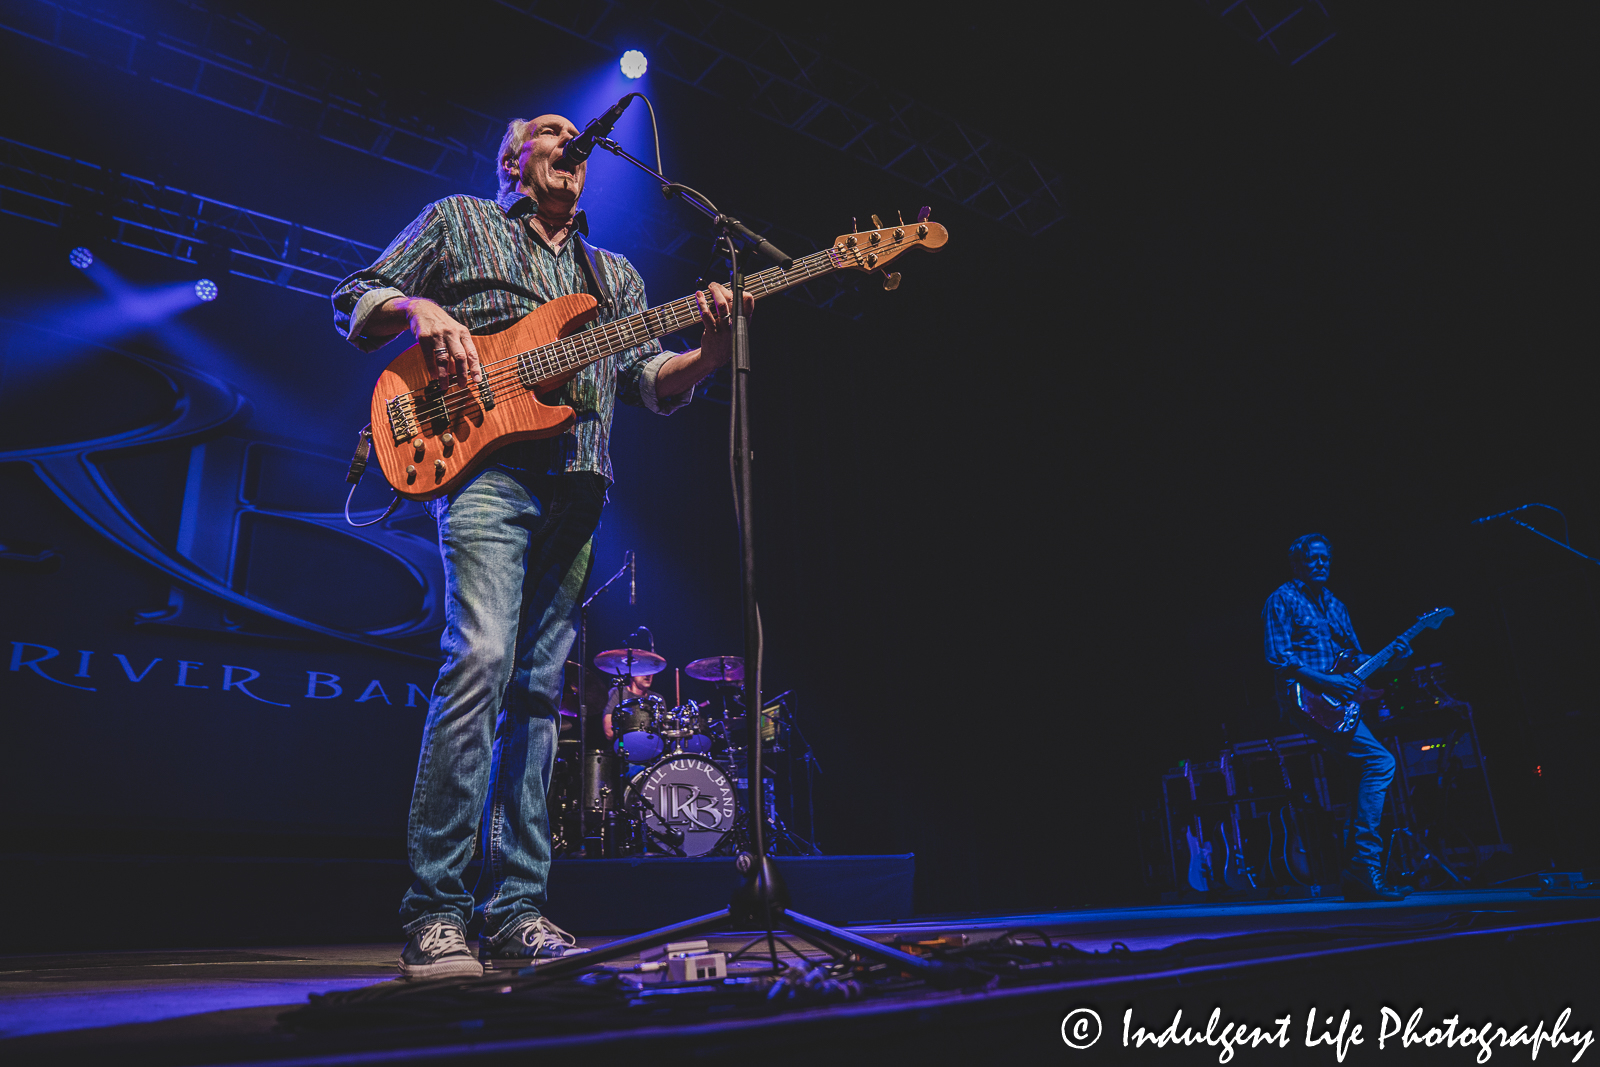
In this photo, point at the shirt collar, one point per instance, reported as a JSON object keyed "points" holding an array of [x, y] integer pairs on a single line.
{"points": [[1300, 584], [518, 205]]}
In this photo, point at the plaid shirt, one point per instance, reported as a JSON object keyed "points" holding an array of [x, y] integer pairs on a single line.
{"points": [[1304, 633], [483, 262]]}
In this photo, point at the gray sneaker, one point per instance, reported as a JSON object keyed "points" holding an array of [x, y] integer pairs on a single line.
{"points": [[439, 950], [531, 941]]}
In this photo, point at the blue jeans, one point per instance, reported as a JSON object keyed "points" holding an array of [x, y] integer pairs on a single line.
{"points": [[517, 549], [1375, 766]]}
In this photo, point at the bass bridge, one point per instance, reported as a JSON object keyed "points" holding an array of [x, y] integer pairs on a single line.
{"points": [[403, 418]]}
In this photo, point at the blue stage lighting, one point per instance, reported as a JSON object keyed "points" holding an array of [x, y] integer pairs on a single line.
{"points": [[206, 290], [81, 258], [634, 64]]}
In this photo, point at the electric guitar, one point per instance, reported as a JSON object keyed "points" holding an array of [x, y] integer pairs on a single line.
{"points": [[1342, 716], [429, 439], [1287, 860]]}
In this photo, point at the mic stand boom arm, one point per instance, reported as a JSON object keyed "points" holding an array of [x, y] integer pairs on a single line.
{"points": [[725, 223]]}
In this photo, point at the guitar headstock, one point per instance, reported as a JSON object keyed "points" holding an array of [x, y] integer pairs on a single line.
{"points": [[1433, 618], [870, 250]]}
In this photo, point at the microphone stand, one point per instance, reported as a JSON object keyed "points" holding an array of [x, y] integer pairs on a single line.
{"points": [[761, 899], [1534, 529], [584, 782], [1552, 540]]}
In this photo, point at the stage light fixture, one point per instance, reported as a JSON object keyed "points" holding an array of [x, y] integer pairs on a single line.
{"points": [[634, 64], [81, 258], [206, 290]]}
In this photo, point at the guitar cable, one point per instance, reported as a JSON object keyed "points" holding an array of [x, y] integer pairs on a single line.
{"points": [[358, 467]]}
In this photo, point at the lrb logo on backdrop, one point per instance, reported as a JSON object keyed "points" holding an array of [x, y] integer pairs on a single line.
{"points": [[261, 531]]}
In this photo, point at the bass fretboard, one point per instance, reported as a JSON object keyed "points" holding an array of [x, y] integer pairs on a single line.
{"points": [[560, 358]]}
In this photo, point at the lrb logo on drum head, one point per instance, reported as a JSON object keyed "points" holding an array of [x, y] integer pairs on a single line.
{"points": [[691, 792], [688, 794]]}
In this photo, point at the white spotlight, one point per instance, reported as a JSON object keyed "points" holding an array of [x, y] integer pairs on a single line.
{"points": [[634, 64]]}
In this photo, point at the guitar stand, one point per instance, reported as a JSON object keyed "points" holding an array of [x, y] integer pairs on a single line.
{"points": [[761, 901]]}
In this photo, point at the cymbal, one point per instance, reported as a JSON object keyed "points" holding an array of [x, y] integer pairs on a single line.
{"points": [[717, 669], [630, 661]]}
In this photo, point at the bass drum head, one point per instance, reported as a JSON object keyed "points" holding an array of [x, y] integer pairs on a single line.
{"points": [[690, 795]]}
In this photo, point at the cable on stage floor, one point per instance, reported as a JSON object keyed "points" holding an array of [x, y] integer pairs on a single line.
{"points": [[614, 998]]}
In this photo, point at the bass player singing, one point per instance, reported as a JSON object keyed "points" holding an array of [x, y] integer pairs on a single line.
{"points": [[516, 539], [1306, 629]]}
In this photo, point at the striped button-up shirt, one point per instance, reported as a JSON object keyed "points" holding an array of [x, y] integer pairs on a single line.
{"points": [[1301, 632], [482, 261]]}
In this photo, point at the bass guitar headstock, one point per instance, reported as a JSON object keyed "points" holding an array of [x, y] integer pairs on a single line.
{"points": [[872, 250]]}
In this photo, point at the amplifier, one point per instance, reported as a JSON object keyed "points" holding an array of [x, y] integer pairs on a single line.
{"points": [[1429, 756]]}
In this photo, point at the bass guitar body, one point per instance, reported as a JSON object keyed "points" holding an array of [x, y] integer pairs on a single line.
{"points": [[429, 440]]}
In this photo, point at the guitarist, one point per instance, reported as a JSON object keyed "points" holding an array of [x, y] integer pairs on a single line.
{"points": [[1306, 629], [516, 539]]}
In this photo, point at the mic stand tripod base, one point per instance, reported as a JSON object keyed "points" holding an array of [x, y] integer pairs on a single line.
{"points": [[762, 894], [762, 901]]}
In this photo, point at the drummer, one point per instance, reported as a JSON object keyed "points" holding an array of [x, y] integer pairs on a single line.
{"points": [[638, 686]]}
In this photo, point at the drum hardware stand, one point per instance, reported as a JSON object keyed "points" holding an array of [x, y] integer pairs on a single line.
{"points": [[762, 899], [650, 832], [583, 704]]}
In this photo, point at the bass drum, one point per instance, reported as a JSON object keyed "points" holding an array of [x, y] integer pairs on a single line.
{"points": [[685, 794]]}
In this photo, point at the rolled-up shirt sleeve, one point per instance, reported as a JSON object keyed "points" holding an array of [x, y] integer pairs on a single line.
{"points": [[405, 268]]}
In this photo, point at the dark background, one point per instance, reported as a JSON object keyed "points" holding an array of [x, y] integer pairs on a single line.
{"points": [[1016, 521]]}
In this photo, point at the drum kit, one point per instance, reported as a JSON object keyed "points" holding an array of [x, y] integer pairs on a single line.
{"points": [[671, 779]]}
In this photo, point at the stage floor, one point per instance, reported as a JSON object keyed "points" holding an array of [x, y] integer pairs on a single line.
{"points": [[222, 1005]]}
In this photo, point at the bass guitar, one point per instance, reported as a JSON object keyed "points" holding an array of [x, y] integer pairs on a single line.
{"points": [[429, 439], [1342, 716]]}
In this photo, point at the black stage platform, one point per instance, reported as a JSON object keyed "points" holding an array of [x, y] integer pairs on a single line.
{"points": [[1513, 959], [203, 901]]}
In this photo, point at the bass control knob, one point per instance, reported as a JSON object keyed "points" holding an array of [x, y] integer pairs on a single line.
{"points": [[438, 468]]}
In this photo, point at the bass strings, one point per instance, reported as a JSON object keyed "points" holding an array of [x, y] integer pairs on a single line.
{"points": [[551, 359]]}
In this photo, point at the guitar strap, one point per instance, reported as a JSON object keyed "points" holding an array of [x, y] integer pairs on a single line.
{"points": [[596, 287]]}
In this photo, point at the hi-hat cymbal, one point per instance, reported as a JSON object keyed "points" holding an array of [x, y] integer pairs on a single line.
{"points": [[630, 661], [717, 669]]}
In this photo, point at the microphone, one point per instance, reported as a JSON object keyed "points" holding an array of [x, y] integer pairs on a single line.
{"points": [[1500, 515], [633, 571], [581, 147]]}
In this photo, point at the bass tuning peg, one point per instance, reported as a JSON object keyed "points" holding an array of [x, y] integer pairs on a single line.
{"points": [[891, 282]]}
